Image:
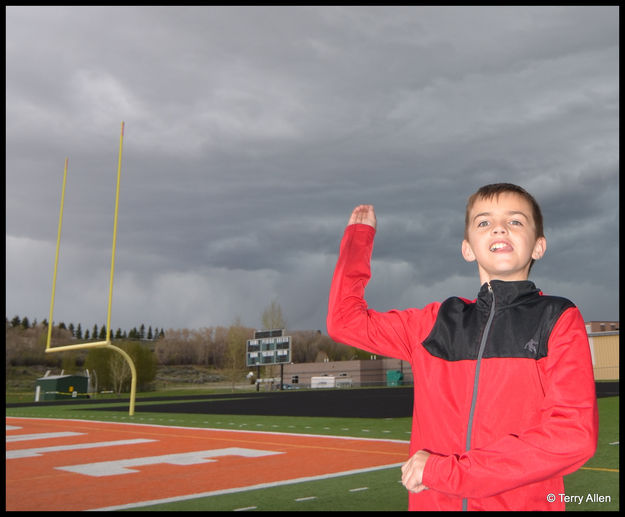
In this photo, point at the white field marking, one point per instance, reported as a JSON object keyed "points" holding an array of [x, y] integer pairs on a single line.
{"points": [[247, 488], [38, 451], [220, 430], [40, 436], [12, 427], [300, 499], [244, 509], [115, 467], [359, 489]]}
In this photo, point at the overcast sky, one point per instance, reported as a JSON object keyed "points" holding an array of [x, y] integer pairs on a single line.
{"points": [[252, 132]]}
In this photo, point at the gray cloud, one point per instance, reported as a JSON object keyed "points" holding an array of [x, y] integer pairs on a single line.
{"points": [[252, 131]]}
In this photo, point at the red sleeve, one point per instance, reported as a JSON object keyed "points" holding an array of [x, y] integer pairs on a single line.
{"points": [[563, 441], [350, 321]]}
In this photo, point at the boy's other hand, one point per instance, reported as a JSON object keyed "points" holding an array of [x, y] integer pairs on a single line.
{"points": [[363, 214], [412, 472]]}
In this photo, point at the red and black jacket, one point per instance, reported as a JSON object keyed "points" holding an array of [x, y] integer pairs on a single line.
{"points": [[504, 396]]}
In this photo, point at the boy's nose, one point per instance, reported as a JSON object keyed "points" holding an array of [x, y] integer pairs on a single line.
{"points": [[499, 228]]}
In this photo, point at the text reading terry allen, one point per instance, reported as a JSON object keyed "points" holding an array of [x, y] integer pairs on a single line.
{"points": [[579, 499]]}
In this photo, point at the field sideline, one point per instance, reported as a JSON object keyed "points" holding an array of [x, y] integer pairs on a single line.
{"points": [[594, 487]]}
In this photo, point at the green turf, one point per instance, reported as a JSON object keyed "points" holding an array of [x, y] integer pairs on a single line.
{"points": [[383, 490], [596, 486]]}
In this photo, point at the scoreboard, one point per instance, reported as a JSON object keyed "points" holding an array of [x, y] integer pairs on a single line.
{"points": [[268, 347]]}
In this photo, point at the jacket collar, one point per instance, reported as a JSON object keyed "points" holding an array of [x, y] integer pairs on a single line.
{"points": [[506, 293]]}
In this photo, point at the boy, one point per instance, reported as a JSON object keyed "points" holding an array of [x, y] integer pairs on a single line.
{"points": [[504, 396]]}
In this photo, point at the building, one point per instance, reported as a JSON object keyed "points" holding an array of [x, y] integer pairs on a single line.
{"points": [[54, 387], [603, 337], [354, 373], [601, 326]]}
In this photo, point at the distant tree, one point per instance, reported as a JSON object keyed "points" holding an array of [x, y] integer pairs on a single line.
{"points": [[87, 335], [112, 369], [142, 331], [16, 321], [25, 322], [150, 336], [71, 361], [94, 333], [72, 329], [218, 350], [79, 332], [102, 335], [236, 340], [272, 317], [119, 371]]}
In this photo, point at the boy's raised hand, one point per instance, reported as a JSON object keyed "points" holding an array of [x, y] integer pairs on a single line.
{"points": [[363, 214]]}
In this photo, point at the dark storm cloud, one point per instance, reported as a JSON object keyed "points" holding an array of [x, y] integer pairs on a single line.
{"points": [[252, 132]]}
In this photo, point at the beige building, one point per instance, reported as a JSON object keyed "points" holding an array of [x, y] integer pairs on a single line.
{"points": [[603, 337]]}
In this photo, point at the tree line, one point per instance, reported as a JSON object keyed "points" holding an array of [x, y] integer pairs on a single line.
{"points": [[219, 347], [95, 334]]}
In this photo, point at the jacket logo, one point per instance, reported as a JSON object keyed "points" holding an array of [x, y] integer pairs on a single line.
{"points": [[531, 346]]}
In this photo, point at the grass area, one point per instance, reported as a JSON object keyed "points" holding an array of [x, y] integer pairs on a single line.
{"points": [[593, 479], [373, 491]]}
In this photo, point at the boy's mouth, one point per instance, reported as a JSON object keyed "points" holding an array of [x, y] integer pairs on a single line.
{"points": [[500, 246]]}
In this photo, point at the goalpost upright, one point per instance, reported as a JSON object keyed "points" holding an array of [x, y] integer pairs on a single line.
{"points": [[107, 342]]}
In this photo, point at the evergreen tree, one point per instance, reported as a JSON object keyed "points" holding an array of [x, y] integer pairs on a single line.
{"points": [[94, 333], [79, 332]]}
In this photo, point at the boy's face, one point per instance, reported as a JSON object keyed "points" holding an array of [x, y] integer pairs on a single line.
{"points": [[502, 238]]}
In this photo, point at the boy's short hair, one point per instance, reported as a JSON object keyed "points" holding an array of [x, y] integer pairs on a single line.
{"points": [[493, 190]]}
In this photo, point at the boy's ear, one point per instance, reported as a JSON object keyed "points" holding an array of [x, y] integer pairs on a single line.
{"points": [[467, 252], [539, 248]]}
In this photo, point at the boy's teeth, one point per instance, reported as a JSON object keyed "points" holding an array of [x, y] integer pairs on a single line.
{"points": [[497, 246]]}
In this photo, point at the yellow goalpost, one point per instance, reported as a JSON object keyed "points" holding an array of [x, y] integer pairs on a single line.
{"points": [[96, 344]]}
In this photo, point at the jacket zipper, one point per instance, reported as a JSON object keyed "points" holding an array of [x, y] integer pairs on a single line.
{"points": [[476, 379]]}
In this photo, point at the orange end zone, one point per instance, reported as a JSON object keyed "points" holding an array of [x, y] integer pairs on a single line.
{"points": [[57, 464]]}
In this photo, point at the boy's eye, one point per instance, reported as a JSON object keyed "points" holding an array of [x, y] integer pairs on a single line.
{"points": [[482, 224], [516, 222]]}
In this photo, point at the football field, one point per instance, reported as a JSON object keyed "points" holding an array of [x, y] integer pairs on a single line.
{"points": [[82, 457]]}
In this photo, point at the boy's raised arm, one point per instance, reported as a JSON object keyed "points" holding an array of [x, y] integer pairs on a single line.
{"points": [[350, 321]]}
